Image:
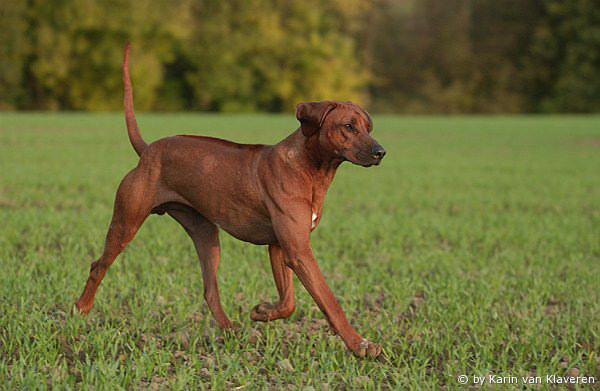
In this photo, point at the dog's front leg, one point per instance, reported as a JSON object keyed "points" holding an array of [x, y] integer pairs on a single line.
{"points": [[284, 280], [294, 237]]}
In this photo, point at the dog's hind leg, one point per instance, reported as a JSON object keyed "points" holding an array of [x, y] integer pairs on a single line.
{"points": [[284, 280], [205, 236], [133, 203]]}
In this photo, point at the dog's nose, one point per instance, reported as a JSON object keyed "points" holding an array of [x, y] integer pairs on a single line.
{"points": [[378, 152]]}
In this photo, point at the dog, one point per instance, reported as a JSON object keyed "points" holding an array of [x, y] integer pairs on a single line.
{"points": [[263, 194]]}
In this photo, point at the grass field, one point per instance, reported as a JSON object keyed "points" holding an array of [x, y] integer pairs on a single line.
{"points": [[474, 249]]}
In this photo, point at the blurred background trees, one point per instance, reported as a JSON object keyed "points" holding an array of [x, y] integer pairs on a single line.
{"points": [[417, 56]]}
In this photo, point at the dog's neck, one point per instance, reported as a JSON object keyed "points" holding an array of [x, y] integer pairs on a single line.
{"points": [[323, 162], [317, 165], [307, 154]]}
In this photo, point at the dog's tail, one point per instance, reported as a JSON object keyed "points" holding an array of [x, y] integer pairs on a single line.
{"points": [[132, 127]]}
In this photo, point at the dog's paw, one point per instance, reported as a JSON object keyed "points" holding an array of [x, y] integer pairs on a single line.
{"points": [[81, 308], [367, 349], [226, 324], [263, 312]]}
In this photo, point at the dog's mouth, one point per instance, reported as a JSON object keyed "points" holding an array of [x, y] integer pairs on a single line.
{"points": [[376, 163], [363, 160], [365, 155]]}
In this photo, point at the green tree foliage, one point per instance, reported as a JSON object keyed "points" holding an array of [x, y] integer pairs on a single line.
{"points": [[419, 56], [73, 50], [451, 55], [567, 56], [269, 55], [13, 52]]}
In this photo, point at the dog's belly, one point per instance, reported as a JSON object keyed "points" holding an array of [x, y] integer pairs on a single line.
{"points": [[246, 221], [256, 233], [240, 215]]}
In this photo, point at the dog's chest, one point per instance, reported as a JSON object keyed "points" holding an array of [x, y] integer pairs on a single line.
{"points": [[319, 189], [317, 209]]}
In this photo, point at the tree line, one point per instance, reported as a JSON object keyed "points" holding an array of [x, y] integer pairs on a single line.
{"points": [[412, 56]]}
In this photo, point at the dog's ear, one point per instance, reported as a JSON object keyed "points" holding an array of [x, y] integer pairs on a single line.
{"points": [[312, 114]]}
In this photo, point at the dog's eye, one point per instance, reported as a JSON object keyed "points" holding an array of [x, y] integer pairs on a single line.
{"points": [[349, 127]]}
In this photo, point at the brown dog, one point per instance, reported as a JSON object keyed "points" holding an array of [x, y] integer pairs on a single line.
{"points": [[262, 194]]}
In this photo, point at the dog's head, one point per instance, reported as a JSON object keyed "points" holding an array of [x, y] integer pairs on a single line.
{"points": [[344, 131]]}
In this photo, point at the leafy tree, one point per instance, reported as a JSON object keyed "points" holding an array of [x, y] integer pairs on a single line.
{"points": [[451, 55], [76, 51], [245, 55], [567, 56], [13, 52], [268, 55]]}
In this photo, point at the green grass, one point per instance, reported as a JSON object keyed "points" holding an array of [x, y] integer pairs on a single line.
{"points": [[473, 249]]}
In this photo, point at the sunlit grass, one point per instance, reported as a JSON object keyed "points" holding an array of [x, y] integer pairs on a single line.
{"points": [[473, 249]]}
